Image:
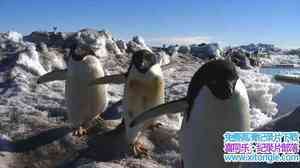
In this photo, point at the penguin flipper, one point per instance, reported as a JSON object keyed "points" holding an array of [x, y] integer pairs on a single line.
{"points": [[52, 76], [116, 79], [170, 107]]}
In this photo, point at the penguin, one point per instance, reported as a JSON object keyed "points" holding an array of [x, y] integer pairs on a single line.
{"points": [[216, 102], [144, 89], [84, 103]]}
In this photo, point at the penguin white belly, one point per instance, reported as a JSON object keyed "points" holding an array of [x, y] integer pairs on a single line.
{"points": [[84, 102], [142, 92], [201, 138]]}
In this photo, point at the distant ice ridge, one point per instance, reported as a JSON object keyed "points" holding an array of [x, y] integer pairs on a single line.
{"points": [[261, 91], [281, 59]]}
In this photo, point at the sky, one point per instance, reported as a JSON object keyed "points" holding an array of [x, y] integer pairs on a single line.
{"points": [[228, 22]]}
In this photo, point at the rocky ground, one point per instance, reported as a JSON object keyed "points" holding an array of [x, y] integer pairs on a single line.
{"points": [[34, 131]]}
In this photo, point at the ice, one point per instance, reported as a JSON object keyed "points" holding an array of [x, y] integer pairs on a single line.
{"points": [[26, 106], [112, 46], [15, 36], [281, 59], [51, 60], [101, 41], [139, 40], [258, 118], [139, 43], [30, 59], [121, 45], [261, 91], [100, 47], [163, 58]]}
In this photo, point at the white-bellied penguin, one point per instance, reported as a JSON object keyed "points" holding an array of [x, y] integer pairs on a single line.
{"points": [[216, 102], [144, 89], [84, 103]]}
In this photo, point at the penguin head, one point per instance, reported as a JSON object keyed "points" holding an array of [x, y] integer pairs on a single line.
{"points": [[78, 52], [220, 77], [143, 60]]}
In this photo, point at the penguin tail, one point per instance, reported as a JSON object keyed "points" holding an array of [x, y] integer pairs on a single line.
{"points": [[52, 76], [176, 106], [115, 79]]}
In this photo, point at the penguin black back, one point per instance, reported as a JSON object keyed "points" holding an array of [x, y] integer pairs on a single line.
{"points": [[219, 76]]}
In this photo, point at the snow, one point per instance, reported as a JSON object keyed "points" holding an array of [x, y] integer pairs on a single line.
{"points": [[121, 45], [15, 36], [112, 46], [139, 40], [30, 59], [163, 57], [101, 41], [138, 43], [173, 50], [25, 106]]}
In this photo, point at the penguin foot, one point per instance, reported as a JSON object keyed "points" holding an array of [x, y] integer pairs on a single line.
{"points": [[152, 127], [139, 150], [80, 132]]}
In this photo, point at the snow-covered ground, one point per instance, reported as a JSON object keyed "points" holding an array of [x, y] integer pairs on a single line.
{"points": [[26, 107]]}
